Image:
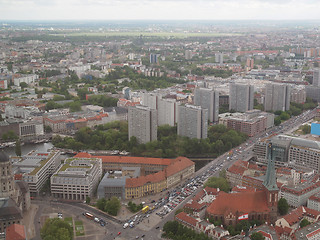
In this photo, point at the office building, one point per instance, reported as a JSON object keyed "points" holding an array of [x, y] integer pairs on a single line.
{"points": [[192, 121], [143, 123], [277, 97], [241, 97], [77, 178], [36, 168], [208, 99], [316, 78]]}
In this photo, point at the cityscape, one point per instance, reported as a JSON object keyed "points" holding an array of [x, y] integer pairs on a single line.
{"points": [[165, 126]]}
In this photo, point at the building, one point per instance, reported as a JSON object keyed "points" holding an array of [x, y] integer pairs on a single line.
{"points": [[31, 129], [316, 78], [310, 232], [293, 219], [138, 176], [291, 151], [313, 92], [150, 100], [167, 112], [10, 213], [188, 54], [251, 122], [298, 95], [208, 99], [315, 129], [192, 121], [240, 97], [36, 168], [143, 123], [277, 97], [76, 179], [250, 63], [218, 58], [154, 58], [16, 232], [298, 195], [28, 79], [260, 205]]}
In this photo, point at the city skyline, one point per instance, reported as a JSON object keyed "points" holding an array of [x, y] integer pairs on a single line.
{"points": [[155, 9]]}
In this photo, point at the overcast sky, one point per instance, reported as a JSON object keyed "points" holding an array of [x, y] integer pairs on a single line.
{"points": [[158, 9]]}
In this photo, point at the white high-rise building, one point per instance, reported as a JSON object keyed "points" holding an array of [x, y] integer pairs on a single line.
{"points": [[143, 123], [316, 77], [167, 112], [241, 97], [192, 121], [277, 97], [208, 99]]}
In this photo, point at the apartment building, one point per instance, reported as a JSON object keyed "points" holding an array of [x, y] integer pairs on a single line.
{"points": [[192, 121], [208, 99], [240, 97]]}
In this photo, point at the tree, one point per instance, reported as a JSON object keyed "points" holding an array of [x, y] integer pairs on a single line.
{"points": [[18, 148], [57, 229], [283, 206], [306, 129], [220, 183], [47, 129], [304, 223], [277, 121], [257, 236], [88, 200], [23, 85]]}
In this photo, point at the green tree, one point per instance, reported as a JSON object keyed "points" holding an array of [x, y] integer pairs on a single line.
{"points": [[257, 236], [47, 129], [304, 223], [57, 229], [18, 148], [23, 85], [101, 203], [220, 183], [283, 206], [113, 206], [88, 200], [306, 129], [277, 121]]}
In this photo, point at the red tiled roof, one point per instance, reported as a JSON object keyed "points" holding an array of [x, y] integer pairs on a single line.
{"points": [[142, 180], [178, 165], [297, 214], [243, 189], [246, 202], [183, 217], [15, 232]]}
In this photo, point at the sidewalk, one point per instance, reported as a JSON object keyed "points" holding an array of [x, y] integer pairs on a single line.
{"points": [[28, 220]]}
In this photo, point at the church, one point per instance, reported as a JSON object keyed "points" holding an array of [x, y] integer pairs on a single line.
{"points": [[14, 195], [260, 205]]}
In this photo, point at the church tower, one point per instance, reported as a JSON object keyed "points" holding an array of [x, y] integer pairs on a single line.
{"points": [[270, 186], [7, 184]]}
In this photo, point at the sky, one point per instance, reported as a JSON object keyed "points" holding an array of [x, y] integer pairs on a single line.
{"points": [[159, 9]]}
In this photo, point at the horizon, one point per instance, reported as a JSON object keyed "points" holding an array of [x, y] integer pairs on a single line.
{"points": [[63, 10]]}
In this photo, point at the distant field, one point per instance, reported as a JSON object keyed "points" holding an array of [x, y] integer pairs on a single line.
{"points": [[148, 34]]}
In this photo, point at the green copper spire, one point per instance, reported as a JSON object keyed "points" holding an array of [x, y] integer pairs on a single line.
{"points": [[270, 181]]}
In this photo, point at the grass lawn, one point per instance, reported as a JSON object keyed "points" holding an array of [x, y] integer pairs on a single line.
{"points": [[79, 228], [69, 220]]}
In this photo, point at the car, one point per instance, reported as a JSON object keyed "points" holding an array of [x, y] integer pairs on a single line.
{"points": [[153, 201], [119, 233], [157, 227], [137, 237], [143, 235]]}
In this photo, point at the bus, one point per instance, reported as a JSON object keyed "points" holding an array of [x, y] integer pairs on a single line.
{"points": [[145, 209], [88, 215]]}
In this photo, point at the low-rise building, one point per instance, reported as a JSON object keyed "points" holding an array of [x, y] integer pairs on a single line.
{"points": [[76, 179], [251, 122]]}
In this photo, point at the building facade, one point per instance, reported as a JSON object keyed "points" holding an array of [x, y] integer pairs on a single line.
{"points": [[192, 121], [76, 179], [241, 97], [143, 123], [277, 97], [36, 168], [208, 99]]}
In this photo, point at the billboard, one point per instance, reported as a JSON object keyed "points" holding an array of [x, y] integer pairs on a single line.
{"points": [[315, 129]]}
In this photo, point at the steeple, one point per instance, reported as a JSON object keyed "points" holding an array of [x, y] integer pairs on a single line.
{"points": [[270, 181]]}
